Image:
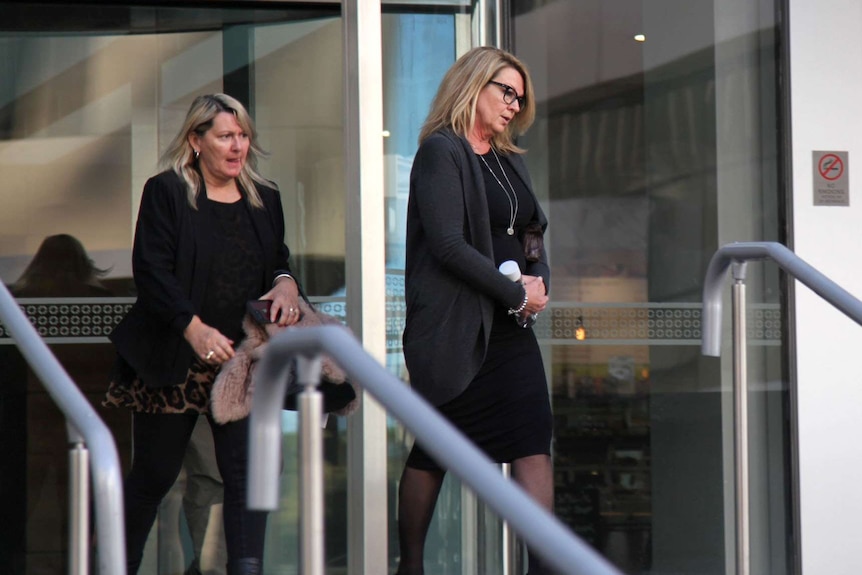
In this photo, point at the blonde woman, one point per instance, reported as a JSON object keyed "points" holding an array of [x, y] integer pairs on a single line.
{"points": [[209, 237], [468, 343]]}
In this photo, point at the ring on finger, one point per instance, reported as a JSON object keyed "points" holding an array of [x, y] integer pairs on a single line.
{"points": [[209, 355]]}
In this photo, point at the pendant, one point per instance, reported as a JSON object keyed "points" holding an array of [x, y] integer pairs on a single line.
{"points": [[510, 231]]}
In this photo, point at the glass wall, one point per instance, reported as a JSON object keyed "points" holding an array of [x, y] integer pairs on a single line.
{"points": [[656, 142], [90, 95], [88, 104], [647, 154]]}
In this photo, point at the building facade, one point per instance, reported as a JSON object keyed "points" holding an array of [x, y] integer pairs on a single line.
{"points": [[664, 130]]}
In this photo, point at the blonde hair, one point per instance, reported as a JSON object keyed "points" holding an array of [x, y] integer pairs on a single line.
{"points": [[180, 156], [454, 106]]}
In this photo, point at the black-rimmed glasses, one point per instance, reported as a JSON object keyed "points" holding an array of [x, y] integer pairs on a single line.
{"points": [[509, 94]]}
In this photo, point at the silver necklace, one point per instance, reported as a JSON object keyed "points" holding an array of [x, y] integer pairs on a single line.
{"points": [[513, 199]]}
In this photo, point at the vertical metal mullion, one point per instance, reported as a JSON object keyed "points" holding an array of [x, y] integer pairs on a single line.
{"points": [[365, 277], [487, 30], [238, 64], [488, 23]]}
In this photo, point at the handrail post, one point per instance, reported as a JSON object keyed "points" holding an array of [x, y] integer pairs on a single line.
{"points": [[311, 466], [79, 509], [740, 403], [510, 542]]}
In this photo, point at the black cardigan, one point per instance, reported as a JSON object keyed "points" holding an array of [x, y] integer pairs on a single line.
{"points": [[171, 259], [451, 281]]}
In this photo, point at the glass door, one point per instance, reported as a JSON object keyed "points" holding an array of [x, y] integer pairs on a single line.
{"points": [[90, 95], [657, 141], [419, 45]]}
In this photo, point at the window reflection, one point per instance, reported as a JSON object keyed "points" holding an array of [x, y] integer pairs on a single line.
{"points": [[89, 96], [650, 155]]}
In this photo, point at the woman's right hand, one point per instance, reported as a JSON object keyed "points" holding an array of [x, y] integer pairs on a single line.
{"points": [[209, 344], [537, 299]]}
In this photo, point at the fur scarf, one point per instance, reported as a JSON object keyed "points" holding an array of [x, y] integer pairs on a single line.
{"points": [[234, 385]]}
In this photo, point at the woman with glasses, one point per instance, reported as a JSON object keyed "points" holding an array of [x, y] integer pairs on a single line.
{"points": [[468, 342], [209, 237]]}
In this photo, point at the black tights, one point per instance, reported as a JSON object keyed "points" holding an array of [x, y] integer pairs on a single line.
{"points": [[417, 497], [160, 442]]}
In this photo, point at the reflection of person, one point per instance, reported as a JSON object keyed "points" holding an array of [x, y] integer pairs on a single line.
{"points": [[209, 237], [202, 498], [470, 200], [60, 268], [203, 518]]}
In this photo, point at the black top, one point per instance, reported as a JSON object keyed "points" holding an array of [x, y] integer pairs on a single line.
{"points": [[175, 249], [500, 209], [235, 276]]}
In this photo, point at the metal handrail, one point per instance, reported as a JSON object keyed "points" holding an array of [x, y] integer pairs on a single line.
{"points": [[735, 256], [545, 534], [93, 449], [788, 261]]}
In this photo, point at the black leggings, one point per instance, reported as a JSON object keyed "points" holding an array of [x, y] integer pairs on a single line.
{"points": [[159, 446]]}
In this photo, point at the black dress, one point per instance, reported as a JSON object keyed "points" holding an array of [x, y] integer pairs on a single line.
{"points": [[506, 409]]}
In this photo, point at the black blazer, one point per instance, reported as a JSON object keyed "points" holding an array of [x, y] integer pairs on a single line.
{"points": [[451, 281], [171, 259]]}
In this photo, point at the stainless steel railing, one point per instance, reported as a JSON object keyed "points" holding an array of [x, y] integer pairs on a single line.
{"points": [[736, 256], [539, 528], [93, 452]]}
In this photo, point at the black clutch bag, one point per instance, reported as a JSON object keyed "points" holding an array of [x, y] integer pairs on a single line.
{"points": [[534, 242]]}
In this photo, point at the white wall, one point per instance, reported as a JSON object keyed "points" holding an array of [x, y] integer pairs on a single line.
{"points": [[826, 114]]}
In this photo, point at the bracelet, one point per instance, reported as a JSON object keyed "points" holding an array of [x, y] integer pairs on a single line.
{"points": [[521, 307], [279, 276]]}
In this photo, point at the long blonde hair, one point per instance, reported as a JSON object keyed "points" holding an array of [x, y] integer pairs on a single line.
{"points": [[180, 156], [454, 106]]}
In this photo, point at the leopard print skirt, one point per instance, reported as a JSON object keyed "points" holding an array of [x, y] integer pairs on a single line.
{"points": [[191, 396]]}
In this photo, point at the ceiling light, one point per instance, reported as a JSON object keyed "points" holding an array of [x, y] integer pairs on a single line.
{"points": [[640, 38]]}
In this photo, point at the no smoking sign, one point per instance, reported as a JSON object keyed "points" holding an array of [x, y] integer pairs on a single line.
{"points": [[831, 179]]}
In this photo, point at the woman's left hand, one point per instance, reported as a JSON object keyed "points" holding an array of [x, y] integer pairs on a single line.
{"points": [[285, 302], [536, 294]]}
